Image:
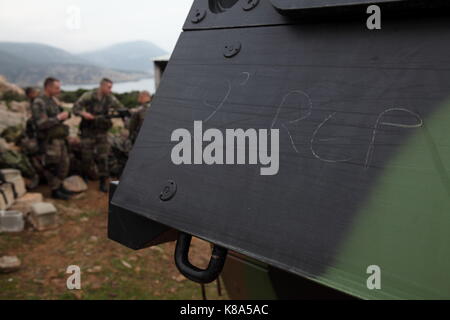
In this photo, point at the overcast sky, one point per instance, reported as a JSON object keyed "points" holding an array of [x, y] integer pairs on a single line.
{"points": [[99, 23]]}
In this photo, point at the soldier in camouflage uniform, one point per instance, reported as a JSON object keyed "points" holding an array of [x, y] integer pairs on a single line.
{"points": [[48, 116], [94, 108], [30, 144], [31, 93], [137, 119]]}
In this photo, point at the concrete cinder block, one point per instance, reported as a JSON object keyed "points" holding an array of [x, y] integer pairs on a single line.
{"points": [[6, 196], [3, 203], [24, 203], [11, 221], [15, 177], [43, 216]]}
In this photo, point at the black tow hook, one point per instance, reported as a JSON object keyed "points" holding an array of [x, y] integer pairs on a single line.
{"points": [[190, 271]]}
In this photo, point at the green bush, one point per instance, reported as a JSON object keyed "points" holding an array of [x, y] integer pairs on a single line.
{"points": [[12, 96], [72, 96], [128, 99]]}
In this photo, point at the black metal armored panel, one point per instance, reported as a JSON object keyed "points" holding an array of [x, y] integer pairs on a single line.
{"points": [[212, 14], [207, 14], [362, 119], [133, 230], [288, 5]]}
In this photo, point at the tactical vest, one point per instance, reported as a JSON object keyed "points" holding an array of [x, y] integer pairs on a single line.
{"points": [[100, 109], [60, 131]]}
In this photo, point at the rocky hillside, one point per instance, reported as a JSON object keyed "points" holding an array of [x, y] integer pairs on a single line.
{"points": [[10, 116], [6, 87], [11, 112]]}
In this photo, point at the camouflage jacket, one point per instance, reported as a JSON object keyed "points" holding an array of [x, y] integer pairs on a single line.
{"points": [[97, 106], [44, 112], [92, 103], [136, 121]]}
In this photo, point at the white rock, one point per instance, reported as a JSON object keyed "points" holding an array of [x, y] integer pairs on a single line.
{"points": [[20, 107], [9, 264], [75, 184], [9, 118], [5, 86]]}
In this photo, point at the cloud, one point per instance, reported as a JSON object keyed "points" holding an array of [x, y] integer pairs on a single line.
{"points": [[101, 22]]}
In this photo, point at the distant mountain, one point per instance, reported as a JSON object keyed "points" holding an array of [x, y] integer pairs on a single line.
{"points": [[129, 56], [40, 53], [12, 66], [30, 63]]}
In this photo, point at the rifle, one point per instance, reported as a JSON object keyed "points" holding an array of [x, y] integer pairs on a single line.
{"points": [[103, 121], [120, 113]]}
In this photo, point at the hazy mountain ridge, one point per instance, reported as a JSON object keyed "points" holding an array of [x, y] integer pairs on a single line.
{"points": [[29, 63], [12, 66], [130, 56], [37, 53]]}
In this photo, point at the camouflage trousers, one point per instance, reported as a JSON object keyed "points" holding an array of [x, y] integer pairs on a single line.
{"points": [[95, 150], [56, 162]]}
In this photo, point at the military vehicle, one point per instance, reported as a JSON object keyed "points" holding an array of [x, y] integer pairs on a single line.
{"points": [[354, 122]]}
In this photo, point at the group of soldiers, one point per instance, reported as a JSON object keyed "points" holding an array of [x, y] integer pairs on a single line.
{"points": [[47, 131]]}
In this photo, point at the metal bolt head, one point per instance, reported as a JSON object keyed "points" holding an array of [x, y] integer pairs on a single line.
{"points": [[198, 15], [248, 5], [169, 191], [232, 49]]}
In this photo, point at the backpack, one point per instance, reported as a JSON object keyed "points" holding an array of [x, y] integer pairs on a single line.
{"points": [[11, 159], [13, 134]]}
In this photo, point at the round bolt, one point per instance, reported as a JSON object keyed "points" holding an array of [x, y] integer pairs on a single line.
{"points": [[232, 49], [248, 5], [169, 191], [198, 15]]}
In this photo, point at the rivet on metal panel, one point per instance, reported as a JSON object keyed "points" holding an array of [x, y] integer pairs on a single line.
{"points": [[169, 191], [198, 15], [248, 5], [232, 49]]}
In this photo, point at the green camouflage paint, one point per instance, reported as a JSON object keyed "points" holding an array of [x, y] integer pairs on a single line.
{"points": [[404, 225]]}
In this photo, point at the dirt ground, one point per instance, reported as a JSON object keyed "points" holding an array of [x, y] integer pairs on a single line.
{"points": [[109, 270]]}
